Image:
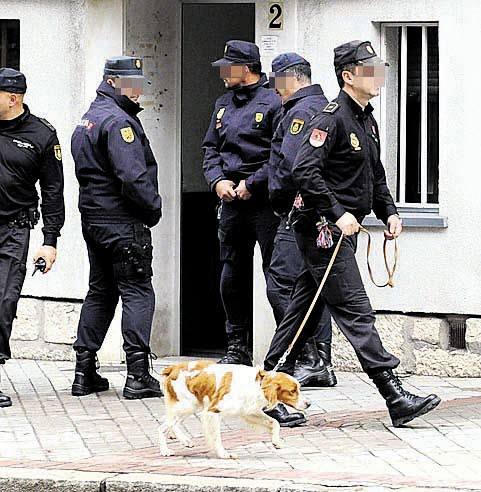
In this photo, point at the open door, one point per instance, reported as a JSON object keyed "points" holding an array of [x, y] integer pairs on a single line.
{"points": [[205, 29]]}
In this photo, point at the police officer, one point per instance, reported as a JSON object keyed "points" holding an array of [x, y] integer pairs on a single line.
{"points": [[291, 76], [236, 154], [340, 176], [118, 202], [29, 152]]}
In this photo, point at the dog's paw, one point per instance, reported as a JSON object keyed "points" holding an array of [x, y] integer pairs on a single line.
{"points": [[278, 444], [166, 452]]}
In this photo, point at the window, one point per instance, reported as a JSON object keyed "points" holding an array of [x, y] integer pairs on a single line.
{"points": [[10, 44], [410, 108]]}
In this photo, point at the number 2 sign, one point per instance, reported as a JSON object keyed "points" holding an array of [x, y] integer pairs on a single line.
{"points": [[276, 15]]}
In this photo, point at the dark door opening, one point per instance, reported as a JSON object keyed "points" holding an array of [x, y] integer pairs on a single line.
{"points": [[205, 29]]}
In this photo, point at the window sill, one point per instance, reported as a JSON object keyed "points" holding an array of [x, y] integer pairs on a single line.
{"points": [[414, 217]]}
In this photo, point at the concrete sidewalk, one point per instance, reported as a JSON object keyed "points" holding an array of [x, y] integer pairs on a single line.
{"points": [[52, 441]]}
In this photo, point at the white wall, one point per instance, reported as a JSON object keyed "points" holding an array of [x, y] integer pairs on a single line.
{"points": [[153, 32]]}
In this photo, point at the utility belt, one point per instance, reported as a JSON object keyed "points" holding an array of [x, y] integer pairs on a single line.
{"points": [[26, 218]]}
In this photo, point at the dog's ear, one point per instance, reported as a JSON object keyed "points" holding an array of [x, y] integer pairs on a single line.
{"points": [[270, 389]]}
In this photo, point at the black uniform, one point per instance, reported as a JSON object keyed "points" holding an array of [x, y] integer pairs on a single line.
{"points": [[118, 202], [29, 152], [337, 169], [287, 263], [236, 147]]}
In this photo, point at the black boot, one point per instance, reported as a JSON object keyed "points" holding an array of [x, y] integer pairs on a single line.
{"points": [[286, 419], [237, 351], [87, 380], [5, 400], [402, 405], [310, 369], [139, 383], [324, 349]]}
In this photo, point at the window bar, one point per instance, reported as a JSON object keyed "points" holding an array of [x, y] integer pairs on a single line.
{"points": [[424, 116], [402, 118]]}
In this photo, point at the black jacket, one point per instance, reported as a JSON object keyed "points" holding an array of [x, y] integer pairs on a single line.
{"points": [[238, 141], [114, 164], [30, 152], [338, 167], [295, 118]]}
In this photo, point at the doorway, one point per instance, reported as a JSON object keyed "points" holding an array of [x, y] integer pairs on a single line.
{"points": [[205, 29]]}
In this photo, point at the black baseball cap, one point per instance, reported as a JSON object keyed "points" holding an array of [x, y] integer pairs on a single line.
{"points": [[287, 60], [239, 53], [355, 52], [12, 80]]}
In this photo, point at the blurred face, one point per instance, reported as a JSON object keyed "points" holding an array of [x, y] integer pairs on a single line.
{"points": [[132, 87], [8, 101], [232, 75], [367, 79], [284, 83]]}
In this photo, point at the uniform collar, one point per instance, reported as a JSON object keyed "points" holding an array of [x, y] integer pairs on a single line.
{"points": [[360, 113], [130, 107], [310, 90], [4, 124], [245, 92]]}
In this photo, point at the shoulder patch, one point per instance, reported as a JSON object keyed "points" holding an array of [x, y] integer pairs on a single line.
{"points": [[47, 124], [318, 137], [127, 134], [332, 107]]}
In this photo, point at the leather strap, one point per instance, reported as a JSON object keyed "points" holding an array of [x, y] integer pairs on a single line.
{"points": [[390, 269]]}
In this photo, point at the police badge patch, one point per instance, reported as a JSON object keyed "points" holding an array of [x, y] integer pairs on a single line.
{"points": [[127, 134], [318, 137], [296, 126], [259, 117], [220, 113], [354, 141], [57, 150]]}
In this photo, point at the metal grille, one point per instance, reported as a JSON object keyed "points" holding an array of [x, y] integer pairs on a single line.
{"points": [[457, 332]]}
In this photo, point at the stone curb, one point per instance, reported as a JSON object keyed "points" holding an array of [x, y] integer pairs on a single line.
{"points": [[39, 480]]}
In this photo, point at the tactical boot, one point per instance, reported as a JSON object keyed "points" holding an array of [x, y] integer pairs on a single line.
{"points": [[87, 380], [402, 405], [324, 349], [5, 400], [139, 383], [237, 351], [286, 419], [310, 369]]}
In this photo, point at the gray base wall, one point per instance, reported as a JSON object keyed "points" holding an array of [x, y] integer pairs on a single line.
{"points": [[46, 329]]}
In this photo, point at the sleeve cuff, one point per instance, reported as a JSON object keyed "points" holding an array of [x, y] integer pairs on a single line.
{"points": [[215, 181], [390, 210], [50, 240], [334, 213]]}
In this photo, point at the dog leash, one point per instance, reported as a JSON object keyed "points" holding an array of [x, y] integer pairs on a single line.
{"points": [[390, 283], [390, 270], [282, 360]]}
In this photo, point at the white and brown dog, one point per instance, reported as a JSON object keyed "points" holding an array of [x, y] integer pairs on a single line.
{"points": [[214, 390]]}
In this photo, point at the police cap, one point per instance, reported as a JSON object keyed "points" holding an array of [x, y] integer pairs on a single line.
{"points": [[355, 52], [240, 53], [12, 81], [287, 60], [124, 66]]}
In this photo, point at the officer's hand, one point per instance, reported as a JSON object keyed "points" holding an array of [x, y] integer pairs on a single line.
{"points": [[395, 227], [225, 190], [49, 254], [348, 224], [242, 192]]}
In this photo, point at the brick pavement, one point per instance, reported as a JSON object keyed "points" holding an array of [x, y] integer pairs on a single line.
{"points": [[348, 439]]}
